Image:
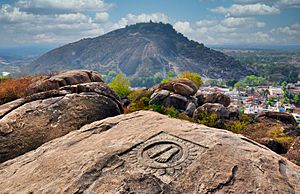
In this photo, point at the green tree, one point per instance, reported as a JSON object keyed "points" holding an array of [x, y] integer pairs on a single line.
{"points": [[194, 77], [120, 85]]}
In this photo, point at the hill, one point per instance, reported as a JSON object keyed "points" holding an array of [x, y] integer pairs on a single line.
{"points": [[141, 50]]}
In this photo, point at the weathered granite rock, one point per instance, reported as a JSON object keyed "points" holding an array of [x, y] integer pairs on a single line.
{"points": [[218, 98], [182, 86], [190, 109], [146, 152], [177, 101], [200, 98], [71, 77], [27, 123], [214, 108], [281, 116], [294, 151], [159, 96]]}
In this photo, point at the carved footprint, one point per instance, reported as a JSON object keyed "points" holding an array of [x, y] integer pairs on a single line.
{"points": [[166, 156], [156, 151]]}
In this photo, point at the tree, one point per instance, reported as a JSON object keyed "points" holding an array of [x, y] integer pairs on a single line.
{"points": [[194, 77], [120, 85]]}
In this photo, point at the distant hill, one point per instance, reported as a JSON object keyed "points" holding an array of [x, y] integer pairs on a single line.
{"points": [[141, 50]]}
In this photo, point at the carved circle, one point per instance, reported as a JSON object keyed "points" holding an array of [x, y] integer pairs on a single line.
{"points": [[162, 153]]}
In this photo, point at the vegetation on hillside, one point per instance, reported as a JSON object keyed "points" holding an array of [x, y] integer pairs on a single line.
{"points": [[12, 89]]}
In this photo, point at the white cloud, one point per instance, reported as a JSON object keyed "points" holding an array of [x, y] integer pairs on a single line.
{"points": [[183, 27], [61, 6], [242, 22], [237, 10], [9, 14], [101, 17], [206, 23], [132, 19], [288, 3]]}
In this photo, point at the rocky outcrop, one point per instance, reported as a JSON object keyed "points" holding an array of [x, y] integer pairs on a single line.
{"points": [[146, 152], [175, 93], [281, 116], [71, 77], [218, 98], [212, 108], [27, 123]]}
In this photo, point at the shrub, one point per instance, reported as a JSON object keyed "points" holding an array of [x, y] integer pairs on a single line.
{"points": [[194, 77], [121, 85], [236, 126], [210, 120], [171, 111], [12, 89], [281, 137], [157, 108], [139, 100]]}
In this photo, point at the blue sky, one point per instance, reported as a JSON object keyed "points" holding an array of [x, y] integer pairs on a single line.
{"points": [[213, 22]]}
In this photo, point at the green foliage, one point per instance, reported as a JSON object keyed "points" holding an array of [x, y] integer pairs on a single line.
{"points": [[171, 111], [236, 126], [296, 99], [210, 120], [169, 78], [139, 100], [281, 137], [250, 80], [146, 81], [121, 85], [194, 77], [157, 108]]}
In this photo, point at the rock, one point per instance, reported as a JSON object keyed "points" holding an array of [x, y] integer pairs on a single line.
{"points": [[274, 145], [281, 116], [182, 86], [146, 152], [200, 98], [177, 101], [183, 89], [36, 119], [294, 152], [190, 109], [71, 77], [234, 111], [158, 96], [218, 98], [214, 108]]}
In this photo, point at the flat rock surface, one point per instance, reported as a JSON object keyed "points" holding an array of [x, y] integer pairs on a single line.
{"points": [[146, 152]]}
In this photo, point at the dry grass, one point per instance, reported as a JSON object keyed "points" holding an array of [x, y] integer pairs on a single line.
{"points": [[12, 89]]}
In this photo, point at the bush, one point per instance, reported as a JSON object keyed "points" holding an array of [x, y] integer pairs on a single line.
{"points": [[210, 120], [171, 111], [12, 89], [139, 100], [121, 85], [236, 126], [281, 137], [194, 77]]}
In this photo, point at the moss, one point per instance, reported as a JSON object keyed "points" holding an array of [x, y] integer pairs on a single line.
{"points": [[236, 126]]}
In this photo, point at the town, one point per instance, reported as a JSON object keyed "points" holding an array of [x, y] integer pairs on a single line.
{"points": [[259, 99]]}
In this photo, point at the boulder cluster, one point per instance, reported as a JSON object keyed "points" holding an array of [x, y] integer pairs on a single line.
{"points": [[183, 95]]}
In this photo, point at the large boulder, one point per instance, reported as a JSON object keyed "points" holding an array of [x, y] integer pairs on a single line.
{"points": [[182, 86], [212, 108], [70, 77], [146, 152], [286, 118], [218, 97], [27, 123]]}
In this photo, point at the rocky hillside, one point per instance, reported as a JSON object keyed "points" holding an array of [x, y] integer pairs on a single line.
{"points": [[141, 50]]}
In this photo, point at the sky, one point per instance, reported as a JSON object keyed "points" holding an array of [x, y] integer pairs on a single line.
{"points": [[212, 22]]}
